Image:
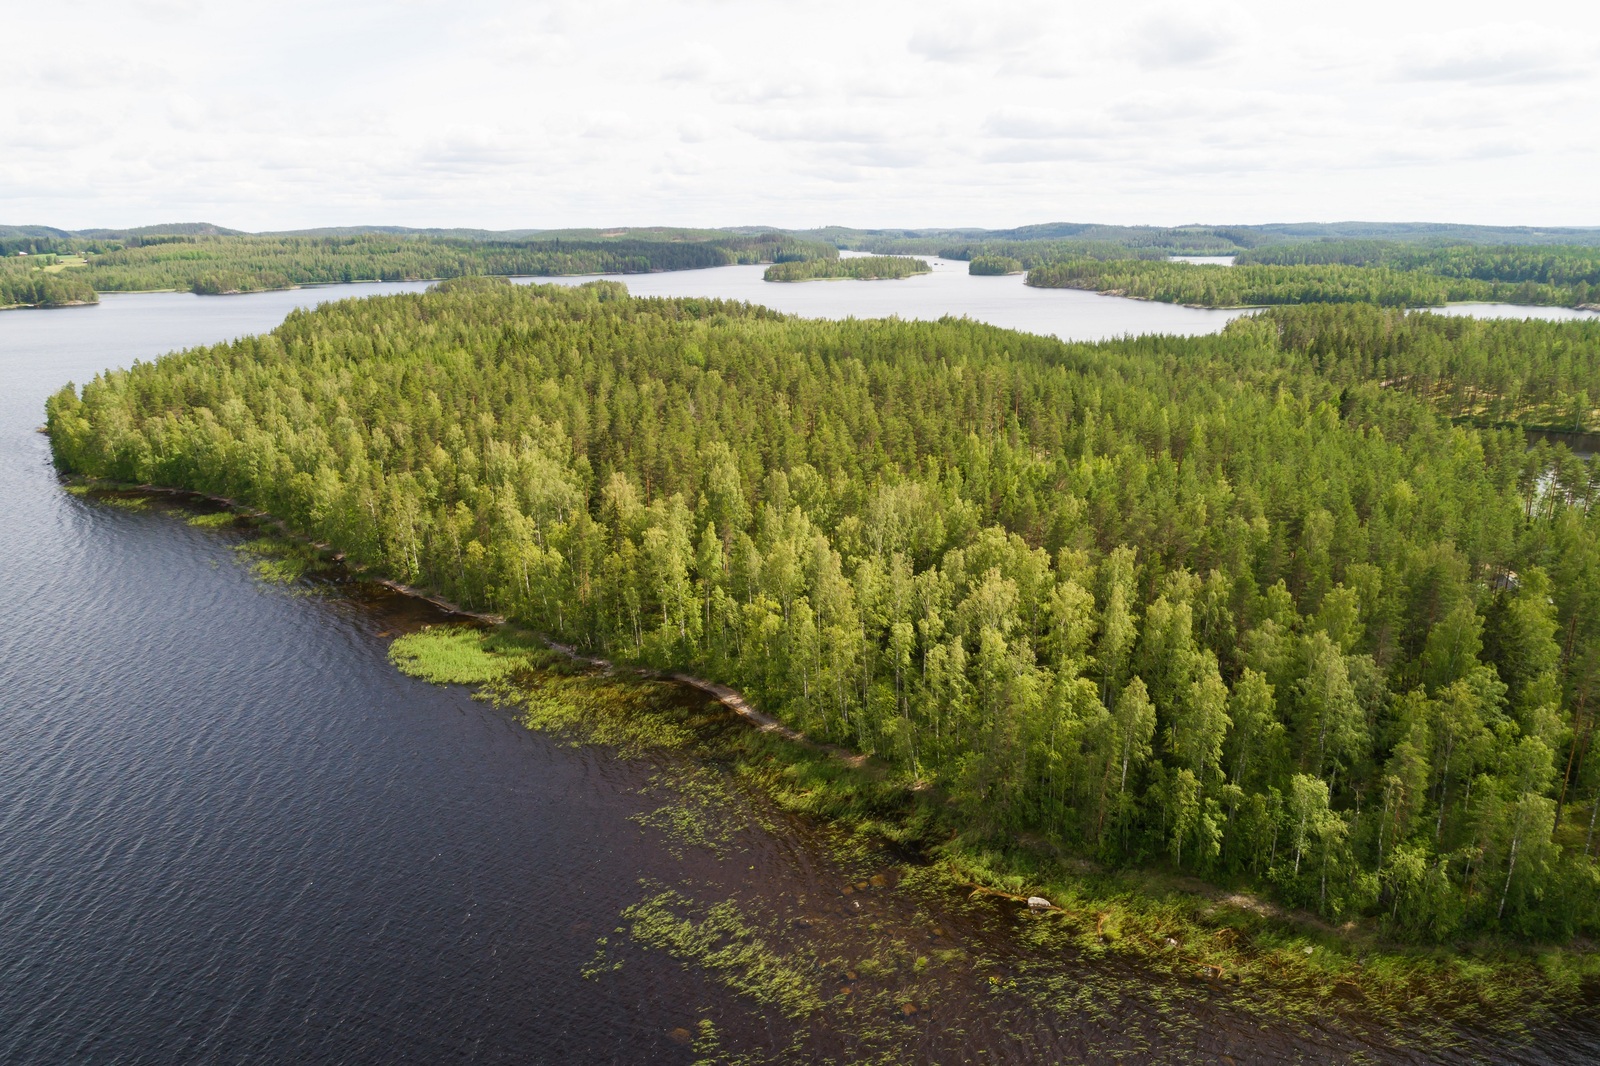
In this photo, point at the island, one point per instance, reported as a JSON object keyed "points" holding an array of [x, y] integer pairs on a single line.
{"points": [[859, 268], [994, 265]]}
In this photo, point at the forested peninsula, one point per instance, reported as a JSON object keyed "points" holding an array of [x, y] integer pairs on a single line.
{"points": [[1255, 607], [1258, 285], [219, 263], [861, 268], [42, 281]]}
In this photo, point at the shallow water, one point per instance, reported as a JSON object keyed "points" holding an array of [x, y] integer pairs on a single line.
{"points": [[230, 831]]}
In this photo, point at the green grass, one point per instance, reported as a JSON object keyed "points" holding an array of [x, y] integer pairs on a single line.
{"points": [[214, 520]]}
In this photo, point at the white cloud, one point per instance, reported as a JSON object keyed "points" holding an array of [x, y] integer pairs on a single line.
{"points": [[900, 112], [1497, 55], [1185, 37]]}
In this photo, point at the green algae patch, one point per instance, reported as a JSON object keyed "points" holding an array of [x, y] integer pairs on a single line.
{"points": [[214, 520], [459, 655], [546, 690]]}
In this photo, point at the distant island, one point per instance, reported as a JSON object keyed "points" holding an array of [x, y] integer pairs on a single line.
{"points": [[994, 265], [861, 268]]}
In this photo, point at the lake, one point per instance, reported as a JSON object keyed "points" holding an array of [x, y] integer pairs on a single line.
{"points": [[231, 832], [1071, 314]]}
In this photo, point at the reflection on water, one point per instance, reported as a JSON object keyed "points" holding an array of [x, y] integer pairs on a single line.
{"points": [[230, 831]]}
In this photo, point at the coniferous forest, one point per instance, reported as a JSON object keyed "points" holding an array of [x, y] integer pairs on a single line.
{"points": [[1293, 606]]}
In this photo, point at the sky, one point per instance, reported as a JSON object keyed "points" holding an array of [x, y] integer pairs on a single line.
{"points": [[864, 113]]}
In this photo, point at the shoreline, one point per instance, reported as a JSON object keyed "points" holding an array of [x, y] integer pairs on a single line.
{"points": [[1293, 957]]}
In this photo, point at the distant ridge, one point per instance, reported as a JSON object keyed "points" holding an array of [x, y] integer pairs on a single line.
{"points": [[1212, 237]]}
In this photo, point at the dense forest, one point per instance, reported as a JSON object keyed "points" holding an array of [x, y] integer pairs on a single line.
{"points": [[992, 265], [37, 281], [211, 264], [1205, 285], [1249, 605], [860, 267]]}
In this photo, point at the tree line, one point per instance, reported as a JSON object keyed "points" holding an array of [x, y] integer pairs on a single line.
{"points": [[1249, 605]]}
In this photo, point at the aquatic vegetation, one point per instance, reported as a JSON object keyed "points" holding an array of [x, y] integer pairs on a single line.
{"points": [[459, 655], [721, 941], [214, 520], [279, 560]]}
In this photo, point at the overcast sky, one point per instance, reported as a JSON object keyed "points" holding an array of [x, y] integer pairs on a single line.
{"points": [[863, 113]]}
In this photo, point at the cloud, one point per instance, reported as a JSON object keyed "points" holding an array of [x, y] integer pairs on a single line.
{"points": [[824, 127], [709, 112], [970, 38], [1185, 37], [1037, 123], [1498, 55], [696, 63], [472, 151]]}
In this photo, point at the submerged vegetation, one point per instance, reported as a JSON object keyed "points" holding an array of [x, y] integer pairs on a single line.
{"points": [[1245, 285], [861, 268], [1249, 607]]}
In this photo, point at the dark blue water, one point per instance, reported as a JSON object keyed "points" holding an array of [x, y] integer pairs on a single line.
{"points": [[231, 832]]}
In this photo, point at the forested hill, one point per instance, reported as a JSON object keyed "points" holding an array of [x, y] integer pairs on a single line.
{"points": [[1248, 605]]}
